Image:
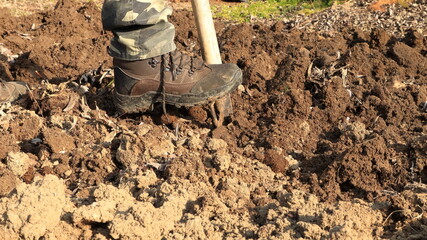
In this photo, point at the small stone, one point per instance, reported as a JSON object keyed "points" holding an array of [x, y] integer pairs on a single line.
{"points": [[68, 173], [241, 88], [293, 164]]}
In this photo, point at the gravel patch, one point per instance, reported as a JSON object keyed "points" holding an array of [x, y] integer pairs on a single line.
{"points": [[396, 19]]}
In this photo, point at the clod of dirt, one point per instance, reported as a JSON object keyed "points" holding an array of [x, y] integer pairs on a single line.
{"points": [[29, 175], [215, 144], [146, 179], [159, 144], [130, 152], [221, 160], [314, 220], [8, 144], [7, 181], [409, 57], [419, 153], [58, 140], [276, 161], [367, 166], [356, 130], [140, 148], [26, 126], [19, 162], [293, 163], [35, 209], [56, 103], [131, 219], [194, 141], [198, 113], [168, 119]]}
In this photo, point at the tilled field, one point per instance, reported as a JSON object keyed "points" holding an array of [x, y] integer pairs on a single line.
{"points": [[328, 138]]}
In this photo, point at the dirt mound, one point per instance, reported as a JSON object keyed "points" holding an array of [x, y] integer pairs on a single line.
{"points": [[347, 107], [55, 45], [327, 140]]}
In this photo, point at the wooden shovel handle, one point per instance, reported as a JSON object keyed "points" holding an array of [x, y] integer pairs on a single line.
{"points": [[206, 29]]}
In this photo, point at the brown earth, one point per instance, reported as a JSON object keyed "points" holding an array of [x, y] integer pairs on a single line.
{"points": [[328, 138]]}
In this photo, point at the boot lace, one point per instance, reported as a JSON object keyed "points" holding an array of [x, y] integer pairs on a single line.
{"points": [[176, 63]]}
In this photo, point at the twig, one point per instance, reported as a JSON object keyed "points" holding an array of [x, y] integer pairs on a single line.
{"points": [[391, 214], [31, 95], [309, 70], [425, 106]]}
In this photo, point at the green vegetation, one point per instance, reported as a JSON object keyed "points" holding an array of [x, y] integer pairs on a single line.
{"points": [[268, 9]]}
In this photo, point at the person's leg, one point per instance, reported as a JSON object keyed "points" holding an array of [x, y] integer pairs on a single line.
{"points": [[140, 27], [148, 69]]}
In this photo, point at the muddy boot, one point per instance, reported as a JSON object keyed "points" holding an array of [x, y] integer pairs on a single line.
{"points": [[11, 91], [174, 78]]}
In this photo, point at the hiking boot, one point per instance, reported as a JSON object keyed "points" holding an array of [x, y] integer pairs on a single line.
{"points": [[174, 78], [11, 91]]}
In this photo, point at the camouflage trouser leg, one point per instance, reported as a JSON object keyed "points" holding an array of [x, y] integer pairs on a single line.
{"points": [[140, 27]]}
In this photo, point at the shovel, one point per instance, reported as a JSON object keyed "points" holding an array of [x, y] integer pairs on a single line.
{"points": [[220, 107]]}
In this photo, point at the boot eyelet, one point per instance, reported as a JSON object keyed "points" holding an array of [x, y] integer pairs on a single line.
{"points": [[153, 63]]}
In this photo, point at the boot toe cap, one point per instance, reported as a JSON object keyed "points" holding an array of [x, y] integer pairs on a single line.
{"points": [[222, 78]]}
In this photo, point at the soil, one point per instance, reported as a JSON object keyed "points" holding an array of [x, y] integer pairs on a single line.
{"points": [[328, 137]]}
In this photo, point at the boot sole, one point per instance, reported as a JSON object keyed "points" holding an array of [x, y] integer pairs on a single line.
{"points": [[142, 103]]}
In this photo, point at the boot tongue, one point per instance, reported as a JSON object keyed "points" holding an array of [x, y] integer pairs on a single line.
{"points": [[184, 64]]}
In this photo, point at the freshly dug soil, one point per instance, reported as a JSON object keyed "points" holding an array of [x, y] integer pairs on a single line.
{"points": [[328, 137]]}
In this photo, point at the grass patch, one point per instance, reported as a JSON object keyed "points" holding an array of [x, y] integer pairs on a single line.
{"points": [[269, 9]]}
